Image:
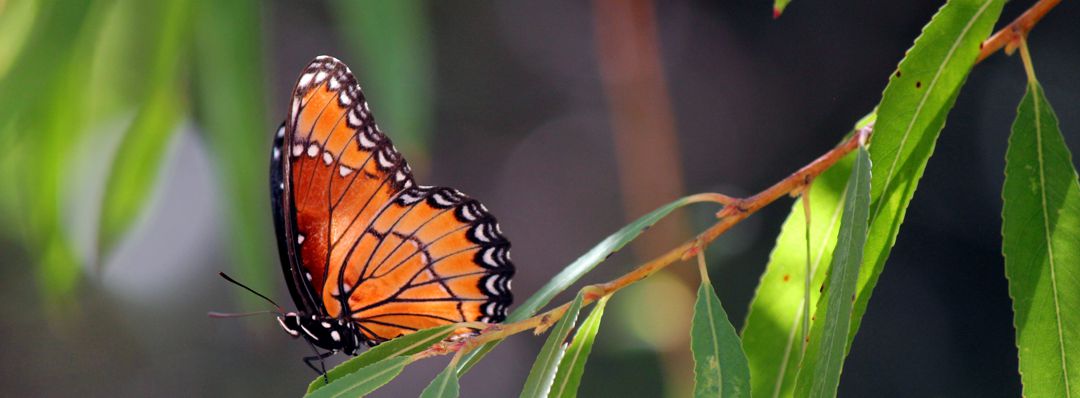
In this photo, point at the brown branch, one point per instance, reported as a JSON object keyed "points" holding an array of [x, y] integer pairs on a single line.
{"points": [[1009, 36], [734, 210]]}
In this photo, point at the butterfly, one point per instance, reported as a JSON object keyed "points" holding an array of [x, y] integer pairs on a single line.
{"points": [[369, 255]]}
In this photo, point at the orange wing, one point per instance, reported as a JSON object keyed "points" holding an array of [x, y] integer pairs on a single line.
{"points": [[392, 256]]}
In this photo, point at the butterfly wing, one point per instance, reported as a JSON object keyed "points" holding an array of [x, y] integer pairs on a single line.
{"points": [[370, 244], [302, 292]]}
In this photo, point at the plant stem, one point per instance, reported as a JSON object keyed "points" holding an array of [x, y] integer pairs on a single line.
{"points": [[1008, 37], [734, 210]]}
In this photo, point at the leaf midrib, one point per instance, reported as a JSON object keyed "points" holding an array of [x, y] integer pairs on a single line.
{"points": [[1036, 99], [922, 103], [798, 311]]}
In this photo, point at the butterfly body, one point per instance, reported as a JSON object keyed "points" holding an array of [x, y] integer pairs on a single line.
{"points": [[367, 253]]}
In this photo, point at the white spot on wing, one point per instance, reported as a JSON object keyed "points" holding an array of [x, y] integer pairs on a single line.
{"points": [[313, 150], [299, 239], [277, 153], [354, 120], [364, 141], [440, 200], [320, 76], [327, 157], [383, 161], [297, 149], [489, 285], [305, 80], [344, 170], [281, 131], [344, 98]]}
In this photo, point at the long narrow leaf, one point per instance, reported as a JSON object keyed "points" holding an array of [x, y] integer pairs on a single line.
{"points": [[772, 335], [137, 163], [1041, 243], [912, 112], [911, 115], [576, 270], [43, 102], [231, 103], [445, 385], [365, 380], [572, 367], [542, 374], [405, 345], [820, 372], [720, 366], [394, 44]]}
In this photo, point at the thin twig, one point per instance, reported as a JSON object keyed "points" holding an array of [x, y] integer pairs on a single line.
{"points": [[1009, 36], [734, 210]]}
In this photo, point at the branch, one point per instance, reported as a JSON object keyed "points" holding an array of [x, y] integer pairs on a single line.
{"points": [[1009, 36], [734, 210]]}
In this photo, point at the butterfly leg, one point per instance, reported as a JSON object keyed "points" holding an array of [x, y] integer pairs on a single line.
{"points": [[322, 365]]}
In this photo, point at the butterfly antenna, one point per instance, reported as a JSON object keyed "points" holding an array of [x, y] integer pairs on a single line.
{"points": [[215, 314], [230, 279]]}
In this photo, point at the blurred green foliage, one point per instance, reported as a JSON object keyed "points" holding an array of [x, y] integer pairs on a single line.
{"points": [[70, 70]]}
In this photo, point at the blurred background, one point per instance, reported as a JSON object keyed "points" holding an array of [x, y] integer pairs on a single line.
{"points": [[136, 136]]}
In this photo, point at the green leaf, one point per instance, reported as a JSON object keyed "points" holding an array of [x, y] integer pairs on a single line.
{"points": [[395, 67], [43, 106], [819, 375], [445, 385], [720, 366], [365, 380], [1041, 243], [136, 165], [577, 269], [405, 345], [911, 115], [232, 103], [16, 21], [572, 367], [778, 7], [772, 335], [542, 374]]}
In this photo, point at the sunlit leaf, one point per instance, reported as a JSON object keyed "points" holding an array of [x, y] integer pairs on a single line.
{"points": [[405, 345], [1041, 241], [772, 335], [43, 102], [542, 374], [720, 367], [572, 366], [571, 273], [911, 114], [365, 380], [819, 375], [17, 17]]}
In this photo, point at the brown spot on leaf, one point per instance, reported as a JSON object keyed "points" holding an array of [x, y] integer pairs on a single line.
{"points": [[898, 73], [787, 277], [918, 84]]}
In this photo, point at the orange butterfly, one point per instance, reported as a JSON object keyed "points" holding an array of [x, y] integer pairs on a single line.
{"points": [[369, 255]]}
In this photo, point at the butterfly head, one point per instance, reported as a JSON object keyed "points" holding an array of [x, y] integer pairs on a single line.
{"points": [[323, 332]]}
